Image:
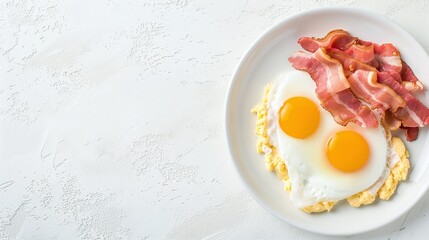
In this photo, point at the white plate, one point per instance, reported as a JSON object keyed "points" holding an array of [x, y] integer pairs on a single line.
{"points": [[267, 59]]}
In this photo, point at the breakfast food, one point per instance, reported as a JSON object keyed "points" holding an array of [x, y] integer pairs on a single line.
{"points": [[357, 75], [326, 128]]}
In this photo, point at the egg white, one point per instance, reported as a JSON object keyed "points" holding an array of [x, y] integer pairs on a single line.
{"points": [[312, 176]]}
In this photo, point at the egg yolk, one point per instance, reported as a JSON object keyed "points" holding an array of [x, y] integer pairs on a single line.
{"points": [[299, 117], [347, 151]]}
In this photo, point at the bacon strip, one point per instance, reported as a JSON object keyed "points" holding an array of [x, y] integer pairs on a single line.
{"points": [[414, 114], [343, 106], [364, 54], [338, 39], [364, 86], [337, 81], [390, 122], [350, 64], [411, 133], [409, 80], [375, 74], [384, 57], [389, 58]]}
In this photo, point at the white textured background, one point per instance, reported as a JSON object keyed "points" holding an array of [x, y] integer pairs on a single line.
{"points": [[111, 118]]}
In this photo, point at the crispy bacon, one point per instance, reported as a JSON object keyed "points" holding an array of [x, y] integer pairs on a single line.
{"points": [[350, 64], [390, 122], [411, 133], [364, 86], [395, 75], [343, 106], [414, 114], [363, 42], [383, 57], [409, 80], [338, 39], [389, 58], [337, 81], [375, 74], [356, 111], [364, 54]]}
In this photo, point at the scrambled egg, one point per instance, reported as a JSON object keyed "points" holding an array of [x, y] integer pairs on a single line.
{"points": [[274, 163]]}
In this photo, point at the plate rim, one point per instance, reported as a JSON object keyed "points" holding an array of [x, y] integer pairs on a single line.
{"points": [[227, 106]]}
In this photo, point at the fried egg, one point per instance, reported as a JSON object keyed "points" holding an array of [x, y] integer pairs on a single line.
{"points": [[325, 161]]}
